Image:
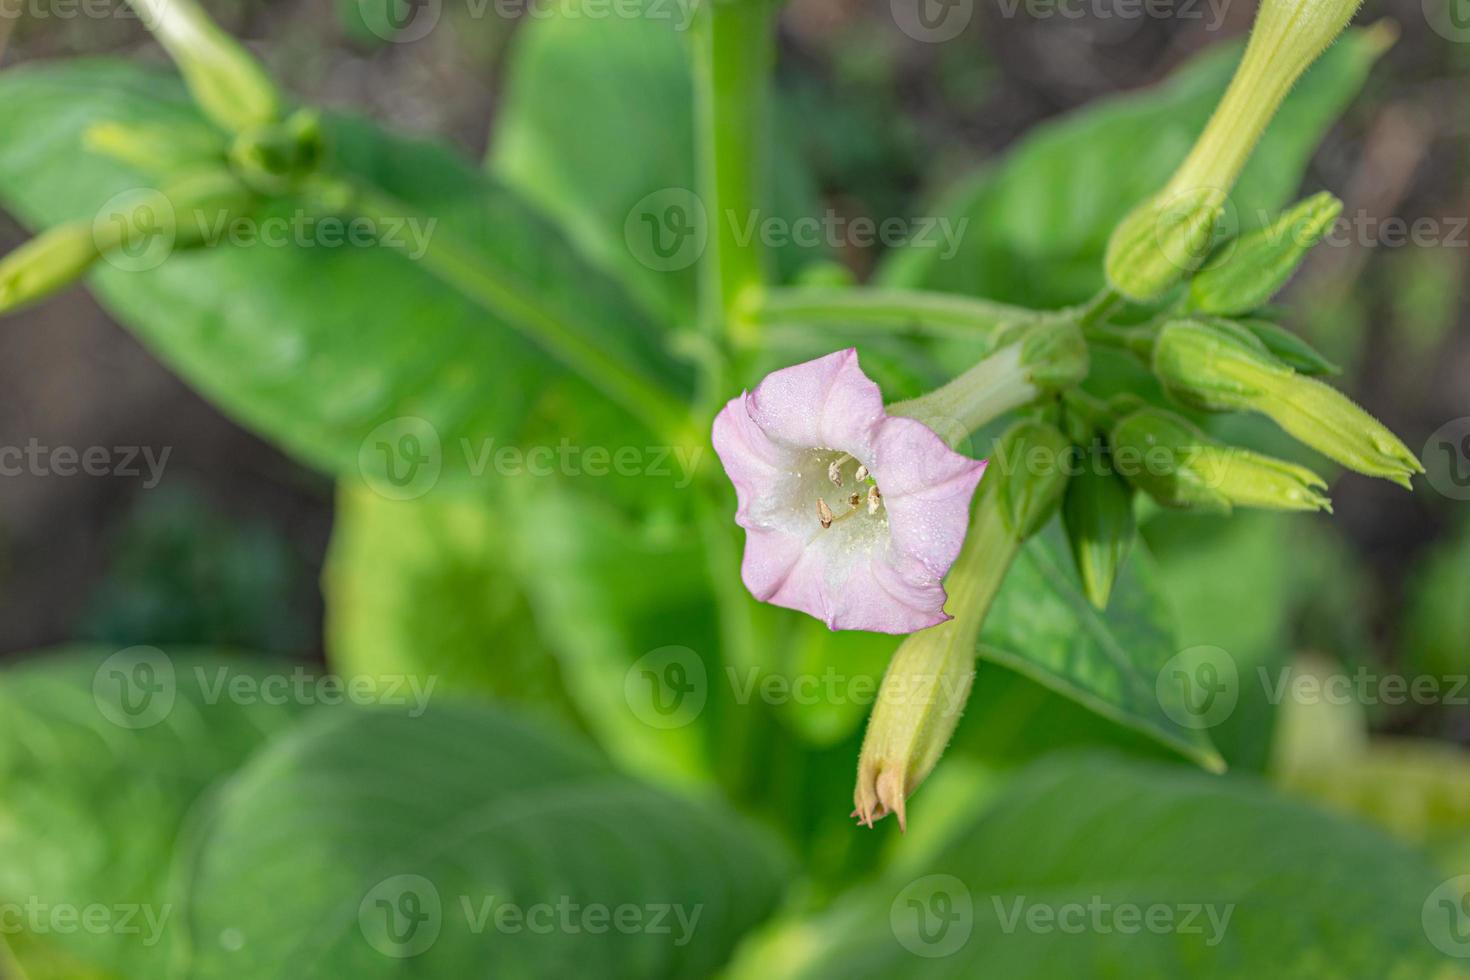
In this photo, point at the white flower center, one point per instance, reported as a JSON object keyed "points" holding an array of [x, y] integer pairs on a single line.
{"points": [[844, 492]]}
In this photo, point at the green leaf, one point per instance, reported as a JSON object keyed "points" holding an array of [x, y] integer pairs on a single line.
{"points": [[375, 844], [426, 588], [1114, 663], [1059, 879], [1040, 219], [98, 773], [354, 358], [605, 158]]}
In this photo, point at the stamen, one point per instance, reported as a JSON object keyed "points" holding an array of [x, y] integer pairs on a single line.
{"points": [[834, 472], [824, 513], [875, 499], [854, 498], [862, 473]]}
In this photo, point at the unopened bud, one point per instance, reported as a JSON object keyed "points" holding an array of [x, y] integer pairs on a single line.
{"points": [[1033, 462], [1252, 269], [1179, 466], [47, 263], [275, 157], [1149, 253], [928, 680], [1223, 367], [1097, 513], [1053, 353], [226, 81]]}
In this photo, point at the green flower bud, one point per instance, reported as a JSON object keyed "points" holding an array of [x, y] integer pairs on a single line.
{"points": [[47, 263], [1288, 348], [928, 681], [1253, 268], [1031, 464], [1163, 240], [226, 81], [1150, 251], [1097, 513], [1179, 466], [1053, 353], [275, 157], [1220, 366]]}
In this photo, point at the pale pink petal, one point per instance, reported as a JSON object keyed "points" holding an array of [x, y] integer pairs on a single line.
{"points": [[826, 403], [880, 598], [927, 489], [753, 462]]}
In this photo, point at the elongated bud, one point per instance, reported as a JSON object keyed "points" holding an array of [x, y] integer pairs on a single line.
{"points": [[1288, 348], [1029, 361], [1150, 252], [1253, 268], [1179, 466], [46, 264], [1223, 367], [224, 78], [157, 150], [275, 157], [1097, 513], [928, 680], [1033, 461]]}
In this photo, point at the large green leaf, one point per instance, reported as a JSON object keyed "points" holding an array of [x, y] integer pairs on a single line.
{"points": [[339, 354], [605, 157], [1038, 222], [103, 754], [1089, 866], [459, 844], [427, 588], [1117, 663]]}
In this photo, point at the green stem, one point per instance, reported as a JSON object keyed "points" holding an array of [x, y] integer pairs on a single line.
{"points": [[895, 310], [459, 266], [732, 65]]}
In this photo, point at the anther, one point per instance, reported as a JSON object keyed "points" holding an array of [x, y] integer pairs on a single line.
{"points": [[862, 473], [824, 513], [874, 499]]}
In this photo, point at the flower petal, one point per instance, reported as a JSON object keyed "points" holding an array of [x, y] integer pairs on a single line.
{"points": [[826, 403], [927, 489], [755, 464]]}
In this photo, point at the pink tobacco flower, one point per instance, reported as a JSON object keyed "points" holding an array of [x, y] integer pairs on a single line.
{"points": [[851, 514]]}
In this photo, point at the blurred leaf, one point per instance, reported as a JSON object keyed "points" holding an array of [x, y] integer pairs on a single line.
{"points": [[1039, 220], [337, 352], [1437, 617], [90, 806], [1112, 662], [427, 588], [590, 152], [376, 844], [1058, 878]]}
